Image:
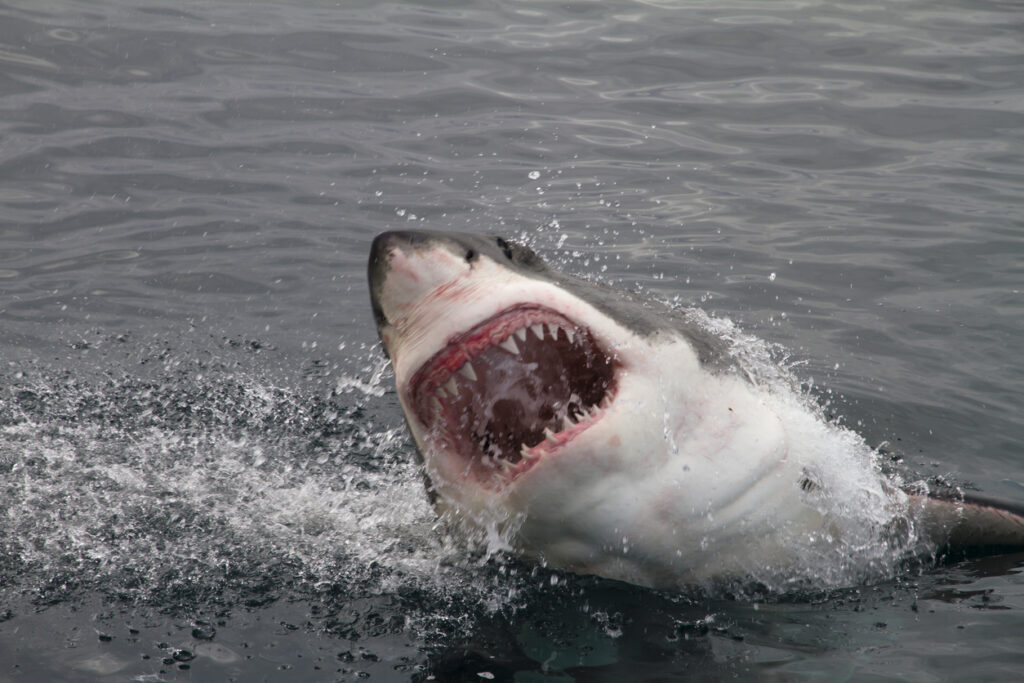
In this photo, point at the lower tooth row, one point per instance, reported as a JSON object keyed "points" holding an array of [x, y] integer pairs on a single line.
{"points": [[504, 464], [549, 435]]}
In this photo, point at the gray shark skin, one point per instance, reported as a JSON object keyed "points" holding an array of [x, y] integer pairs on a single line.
{"points": [[604, 434]]}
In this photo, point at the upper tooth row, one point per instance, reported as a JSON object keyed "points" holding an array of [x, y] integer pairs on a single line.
{"points": [[538, 330], [467, 371], [509, 344], [450, 387]]}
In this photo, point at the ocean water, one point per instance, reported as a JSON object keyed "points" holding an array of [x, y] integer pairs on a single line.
{"points": [[204, 474]]}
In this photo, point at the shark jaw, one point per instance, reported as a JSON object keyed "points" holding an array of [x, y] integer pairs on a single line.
{"points": [[512, 389]]}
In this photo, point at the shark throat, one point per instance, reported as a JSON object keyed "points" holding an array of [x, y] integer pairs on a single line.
{"points": [[521, 382]]}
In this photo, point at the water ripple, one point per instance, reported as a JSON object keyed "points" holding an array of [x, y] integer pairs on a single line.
{"points": [[843, 177]]}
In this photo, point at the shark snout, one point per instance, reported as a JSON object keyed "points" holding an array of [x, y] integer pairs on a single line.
{"points": [[395, 270], [385, 245], [408, 268]]}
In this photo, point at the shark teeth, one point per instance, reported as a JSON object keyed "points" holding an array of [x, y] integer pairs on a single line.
{"points": [[541, 331], [467, 371], [510, 345], [570, 419], [456, 399], [498, 463]]}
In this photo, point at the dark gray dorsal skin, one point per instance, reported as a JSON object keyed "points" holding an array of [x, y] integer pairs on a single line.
{"points": [[627, 309], [970, 521], [683, 472]]}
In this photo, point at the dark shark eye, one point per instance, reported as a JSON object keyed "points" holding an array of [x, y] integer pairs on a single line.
{"points": [[471, 255], [518, 254], [504, 246]]}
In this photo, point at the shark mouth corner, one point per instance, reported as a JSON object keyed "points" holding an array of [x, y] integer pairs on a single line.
{"points": [[513, 388]]}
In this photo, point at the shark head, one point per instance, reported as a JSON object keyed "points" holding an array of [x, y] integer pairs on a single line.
{"points": [[497, 366], [588, 421]]}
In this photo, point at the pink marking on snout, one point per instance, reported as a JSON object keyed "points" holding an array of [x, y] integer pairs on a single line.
{"points": [[400, 264], [448, 290]]}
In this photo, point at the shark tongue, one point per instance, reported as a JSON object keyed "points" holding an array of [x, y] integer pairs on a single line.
{"points": [[510, 382]]}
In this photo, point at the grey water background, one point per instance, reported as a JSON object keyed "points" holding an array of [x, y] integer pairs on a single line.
{"points": [[203, 471]]}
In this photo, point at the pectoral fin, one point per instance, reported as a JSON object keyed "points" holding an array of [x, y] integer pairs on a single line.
{"points": [[970, 521]]}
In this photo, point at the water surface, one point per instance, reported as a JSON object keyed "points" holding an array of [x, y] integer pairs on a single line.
{"points": [[203, 466]]}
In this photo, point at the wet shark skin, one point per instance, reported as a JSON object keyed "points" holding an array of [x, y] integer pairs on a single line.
{"points": [[691, 474]]}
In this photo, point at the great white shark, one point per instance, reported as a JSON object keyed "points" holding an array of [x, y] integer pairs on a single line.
{"points": [[605, 434]]}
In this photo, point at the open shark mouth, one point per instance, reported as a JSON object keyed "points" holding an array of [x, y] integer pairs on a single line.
{"points": [[512, 388]]}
